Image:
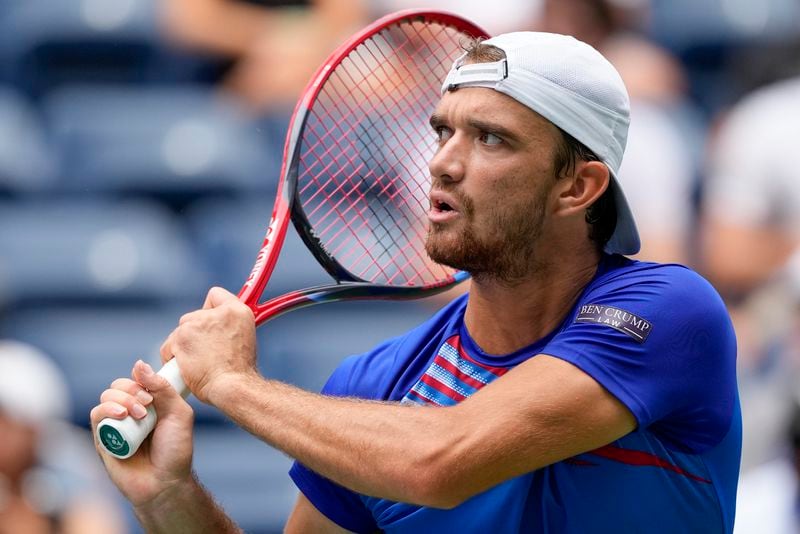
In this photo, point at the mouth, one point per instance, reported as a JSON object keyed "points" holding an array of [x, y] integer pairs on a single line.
{"points": [[440, 205], [443, 207]]}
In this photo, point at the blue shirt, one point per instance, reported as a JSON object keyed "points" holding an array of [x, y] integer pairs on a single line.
{"points": [[657, 337]]}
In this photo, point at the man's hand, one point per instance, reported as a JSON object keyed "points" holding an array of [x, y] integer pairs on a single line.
{"points": [[158, 479], [163, 462], [217, 341]]}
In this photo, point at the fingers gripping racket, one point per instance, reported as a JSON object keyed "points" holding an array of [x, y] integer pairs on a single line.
{"points": [[355, 179]]}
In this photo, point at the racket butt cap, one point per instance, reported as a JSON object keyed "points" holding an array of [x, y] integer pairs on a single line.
{"points": [[121, 438]]}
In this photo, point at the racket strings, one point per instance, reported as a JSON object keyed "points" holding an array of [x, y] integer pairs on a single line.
{"points": [[353, 82], [328, 224], [373, 221], [373, 127], [363, 177], [376, 221]]}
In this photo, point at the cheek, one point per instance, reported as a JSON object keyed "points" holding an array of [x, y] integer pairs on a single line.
{"points": [[510, 182], [511, 190]]}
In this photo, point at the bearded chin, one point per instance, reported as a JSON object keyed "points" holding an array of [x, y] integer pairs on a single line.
{"points": [[458, 252], [505, 258], [504, 248]]}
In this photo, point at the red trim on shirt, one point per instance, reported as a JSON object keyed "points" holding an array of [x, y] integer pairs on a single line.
{"points": [[640, 458]]}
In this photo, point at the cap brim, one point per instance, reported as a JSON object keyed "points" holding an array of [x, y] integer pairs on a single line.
{"points": [[625, 239]]}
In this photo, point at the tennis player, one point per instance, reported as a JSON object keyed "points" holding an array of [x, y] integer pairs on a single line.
{"points": [[573, 390]]}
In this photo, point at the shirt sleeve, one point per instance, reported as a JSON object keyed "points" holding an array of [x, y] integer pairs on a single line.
{"points": [[337, 503], [660, 340], [386, 372]]}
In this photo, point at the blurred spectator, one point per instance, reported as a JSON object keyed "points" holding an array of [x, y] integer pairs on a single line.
{"points": [[768, 499], [751, 230], [658, 174], [752, 193], [495, 18], [49, 476], [615, 28], [274, 46]]}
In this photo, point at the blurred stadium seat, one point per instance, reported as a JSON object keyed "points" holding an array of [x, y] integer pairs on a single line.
{"points": [[45, 44], [172, 143], [227, 234], [249, 479], [93, 345], [55, 251], [96, 344], [681, 24], [303, 347], [27, 163], [709, 35]]}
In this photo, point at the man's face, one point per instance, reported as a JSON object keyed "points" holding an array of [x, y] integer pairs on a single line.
{"points": [[492, 177]]}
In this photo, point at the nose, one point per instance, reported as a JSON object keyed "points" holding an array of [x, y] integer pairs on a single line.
{"points": [[448, 163]]}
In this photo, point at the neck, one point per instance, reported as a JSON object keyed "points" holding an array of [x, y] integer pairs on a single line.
{"points": [[502, 318]]}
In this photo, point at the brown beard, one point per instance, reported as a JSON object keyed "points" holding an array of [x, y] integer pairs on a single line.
{"points": [[505, 253]]}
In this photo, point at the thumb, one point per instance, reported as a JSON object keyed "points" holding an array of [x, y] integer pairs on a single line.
{"points": [[164, 395], [218, 296]]}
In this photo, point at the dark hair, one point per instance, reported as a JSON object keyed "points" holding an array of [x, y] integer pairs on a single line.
{"points": [[480, 52], [602, 214]]}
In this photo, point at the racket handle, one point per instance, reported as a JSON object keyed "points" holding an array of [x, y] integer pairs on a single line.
{"points": [[121, 438]]}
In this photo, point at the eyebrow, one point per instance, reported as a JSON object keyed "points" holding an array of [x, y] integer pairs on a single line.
{"points": [[492, 128], [437, 120]]}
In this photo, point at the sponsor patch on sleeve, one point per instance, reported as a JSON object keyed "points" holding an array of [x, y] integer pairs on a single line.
{"points": [[618, 319]]}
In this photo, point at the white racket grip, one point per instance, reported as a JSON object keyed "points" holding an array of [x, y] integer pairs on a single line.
{"points": [[121, 438]]}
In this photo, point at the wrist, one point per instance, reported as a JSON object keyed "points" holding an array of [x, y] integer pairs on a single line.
{"points": [[228, 389], [186, 507], [173, 496]]}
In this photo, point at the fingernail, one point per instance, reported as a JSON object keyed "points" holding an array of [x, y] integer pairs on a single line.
{"points": [[118, 410], [138, 411], [147, 369], [144, 397]]}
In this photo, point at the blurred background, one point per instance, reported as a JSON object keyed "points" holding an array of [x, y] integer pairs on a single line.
{"points": [[140, 146]]}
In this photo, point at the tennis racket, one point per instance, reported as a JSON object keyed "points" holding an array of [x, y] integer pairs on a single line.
{"points": [[355, 180]]}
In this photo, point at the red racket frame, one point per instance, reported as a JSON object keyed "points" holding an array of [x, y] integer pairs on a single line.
{"points": [[285, 200]]}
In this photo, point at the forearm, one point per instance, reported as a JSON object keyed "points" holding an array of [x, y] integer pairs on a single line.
{"points": [[186, 508], [544, 411], [380, 449]]}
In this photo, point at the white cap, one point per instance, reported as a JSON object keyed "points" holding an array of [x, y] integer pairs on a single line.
{"points": [[32, 387], [573, 86]]}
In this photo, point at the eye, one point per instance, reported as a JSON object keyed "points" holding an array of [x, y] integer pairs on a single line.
{"points": [[443, 133], [490, 139]]}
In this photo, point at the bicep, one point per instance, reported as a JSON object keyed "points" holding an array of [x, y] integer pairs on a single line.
{"points": [[543, 411], [306, 518]]}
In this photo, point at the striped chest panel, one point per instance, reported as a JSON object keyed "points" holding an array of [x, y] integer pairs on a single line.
{"points": [[451, 377]]}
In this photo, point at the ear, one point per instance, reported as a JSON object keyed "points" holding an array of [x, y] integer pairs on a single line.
{"points": [[578, 192]]}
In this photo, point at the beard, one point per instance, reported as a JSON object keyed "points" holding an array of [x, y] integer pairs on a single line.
{"points": [[500, 249]]}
